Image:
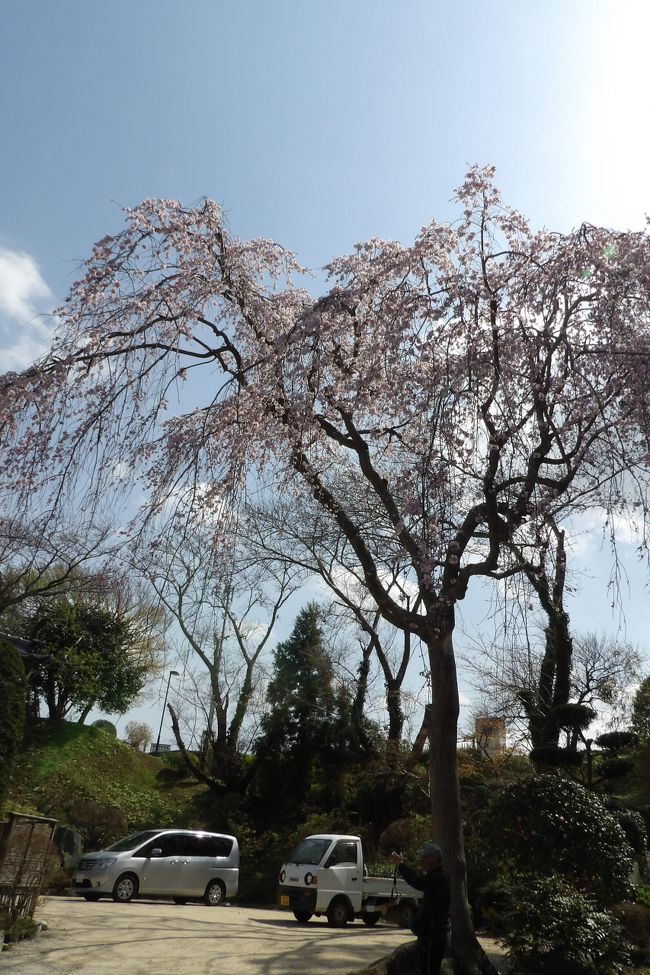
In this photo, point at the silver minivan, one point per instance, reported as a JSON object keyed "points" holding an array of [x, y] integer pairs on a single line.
{"points": [[182, 864]]}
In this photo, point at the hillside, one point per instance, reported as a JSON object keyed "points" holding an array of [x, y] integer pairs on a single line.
{"points": [[87, 779]]}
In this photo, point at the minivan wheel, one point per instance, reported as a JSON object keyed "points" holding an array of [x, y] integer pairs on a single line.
{"points": [[125, 889], [91, 897], [337, 914], [214, 893]]}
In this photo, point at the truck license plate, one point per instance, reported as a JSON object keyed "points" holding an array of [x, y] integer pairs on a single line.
{"points": [[284, 901]]}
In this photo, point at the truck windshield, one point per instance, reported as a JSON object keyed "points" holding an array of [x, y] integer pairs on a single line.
{"points": [[310, 851]]}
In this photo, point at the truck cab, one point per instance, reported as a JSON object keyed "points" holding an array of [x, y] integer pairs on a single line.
{"points": [[325, 874]]}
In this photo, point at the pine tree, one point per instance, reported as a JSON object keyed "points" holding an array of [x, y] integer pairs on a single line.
{"points": [[301, 692], [641, 710], [303, 753]]}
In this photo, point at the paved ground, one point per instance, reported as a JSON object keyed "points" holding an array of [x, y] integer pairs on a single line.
{"points": [[158, 938]]}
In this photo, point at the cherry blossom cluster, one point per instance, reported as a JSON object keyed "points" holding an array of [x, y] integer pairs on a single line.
{"points": [[480, 380]]}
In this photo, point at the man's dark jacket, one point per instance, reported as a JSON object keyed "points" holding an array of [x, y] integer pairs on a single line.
{"points": [[431, 920]]}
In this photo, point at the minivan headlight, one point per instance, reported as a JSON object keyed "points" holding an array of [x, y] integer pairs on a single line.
{"points": [[103, 862]]}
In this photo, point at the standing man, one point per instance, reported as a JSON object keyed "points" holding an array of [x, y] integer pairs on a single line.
{"points": [[432, 919]]}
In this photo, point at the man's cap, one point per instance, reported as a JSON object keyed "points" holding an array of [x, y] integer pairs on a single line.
{"points": [[430, 850]]}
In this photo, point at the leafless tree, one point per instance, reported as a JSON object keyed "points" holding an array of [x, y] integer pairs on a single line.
{"points": [[226, 614], [45, 556]]}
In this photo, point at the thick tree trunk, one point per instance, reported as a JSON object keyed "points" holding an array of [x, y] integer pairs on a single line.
{"points": [[554, 688], [469, 958], [554, 684]]}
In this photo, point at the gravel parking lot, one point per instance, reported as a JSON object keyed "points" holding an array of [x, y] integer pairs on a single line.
{"points": [[159, 938]]}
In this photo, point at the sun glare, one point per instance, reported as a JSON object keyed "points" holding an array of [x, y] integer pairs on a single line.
{"points": [[616, 135]]}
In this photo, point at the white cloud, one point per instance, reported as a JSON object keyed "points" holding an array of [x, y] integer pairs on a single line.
{"points": [[25, 302], [592, 532]]}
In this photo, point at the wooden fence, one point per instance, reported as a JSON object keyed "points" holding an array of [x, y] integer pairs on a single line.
{"points": [[27, 854]]}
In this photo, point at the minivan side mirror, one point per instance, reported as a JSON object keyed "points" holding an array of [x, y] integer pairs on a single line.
{"points": [[156, 852]]}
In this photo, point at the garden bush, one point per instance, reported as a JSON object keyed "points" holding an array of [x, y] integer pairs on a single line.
{"points": [[492, 905], [635, 922], [617, 740], [552, 756], [642, 894], [633, 826], [552, 929], [616, 767], [106, 726], [22, 927], [553, 825], [12, 712], [405, 835], [99, 823]]}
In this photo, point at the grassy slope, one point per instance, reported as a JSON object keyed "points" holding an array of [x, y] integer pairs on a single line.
{"points": [[80, 774]]}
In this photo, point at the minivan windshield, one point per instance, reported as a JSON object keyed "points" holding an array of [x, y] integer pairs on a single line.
{"points": [[311, 850], [135, 839]]}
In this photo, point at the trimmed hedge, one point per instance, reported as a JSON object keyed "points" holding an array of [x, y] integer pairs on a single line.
{"points": [[106, 726]]}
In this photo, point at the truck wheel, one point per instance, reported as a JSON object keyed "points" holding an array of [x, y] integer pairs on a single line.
{"points": [[337, 914], [407, 913], [370, 919], [302, 916]]}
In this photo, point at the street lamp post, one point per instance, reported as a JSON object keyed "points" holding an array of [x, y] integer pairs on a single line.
{"points": [[172, 673]]}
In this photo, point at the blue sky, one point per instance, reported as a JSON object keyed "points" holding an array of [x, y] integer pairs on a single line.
{"points": [[319, 123]]}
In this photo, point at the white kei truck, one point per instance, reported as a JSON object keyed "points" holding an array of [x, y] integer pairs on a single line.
{"points": [[325, 874]]}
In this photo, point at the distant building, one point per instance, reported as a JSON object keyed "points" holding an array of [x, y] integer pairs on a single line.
{"points": [[490, 734]]}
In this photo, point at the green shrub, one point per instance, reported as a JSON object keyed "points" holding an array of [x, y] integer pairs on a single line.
{"points": [[553, 756], [22, 927], [616, 740], [12, 712], [260, 866], [99, 824], [552, 929], [173, 762], [106, 726], [635, 921], [642, 894], [553, 825], [58, 881], [406, 836], [633, 825], [492, 904], [578, 716], [616, 767]]}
